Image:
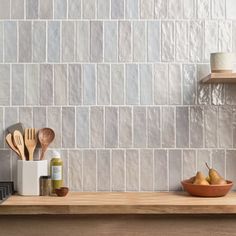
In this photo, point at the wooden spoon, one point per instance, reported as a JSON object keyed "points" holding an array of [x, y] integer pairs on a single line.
{"points": [[19, 142], [11, 145], [45, 136]]}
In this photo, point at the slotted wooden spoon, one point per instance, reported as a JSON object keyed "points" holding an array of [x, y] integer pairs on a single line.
{"points": [[19, 142], [11, 145], [30, 142]]}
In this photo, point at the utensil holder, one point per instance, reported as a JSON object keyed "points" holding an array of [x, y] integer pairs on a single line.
{"points": [[28, 174]]}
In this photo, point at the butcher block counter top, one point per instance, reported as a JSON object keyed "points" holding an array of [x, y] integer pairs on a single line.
{"points": [[76, 203]]}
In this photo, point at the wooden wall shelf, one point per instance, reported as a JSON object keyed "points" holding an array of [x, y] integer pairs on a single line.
{"points": [[220, 78]]}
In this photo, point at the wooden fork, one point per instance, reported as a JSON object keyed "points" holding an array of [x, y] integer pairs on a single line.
{"points": [[19, 142], [30, 142]]}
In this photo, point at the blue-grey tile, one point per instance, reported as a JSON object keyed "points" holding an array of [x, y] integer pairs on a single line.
{"points": [[132, 9], [53, 46], [60, 9], [74, 9], [96, 43], [117, 9], [32, 9], [17, 84], [154, 41], [5, 85], [146, 86]]}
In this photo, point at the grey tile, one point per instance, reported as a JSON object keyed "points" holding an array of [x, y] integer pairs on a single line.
{"points": [[231, 161], [230, 94], [154, 127], [5, 85], [210, 126], [39, 117], [146, 97], [146, 170], [46, 9], [234, 126], [32, 84], [1, 41], [32, 9], [75, 170], [89, 84], [160, 170], [75, 84], [132, 84], [103, 170], [225, 31], [11, 116], [160, 84], [132, 170], [68, 36], [132, 9], [189, 163], [39, 41], [97, 127], [168, 127], [17, 84], [60, 84], [175, 170], [182, 127], [203, 156], [53, 42], [117, 9], [103, 9], [88, 9], [65, 174], [5, 168], [117, 84], [154, 41], [175, 9], [25, 41], [139, 127], [10, 41], [60, 9], [89, 171], [218, 94], [196, 127], [46, 84], [26, 116], [103, 83], [82, 127], [96, 43], [68, 127], [111, 127], [17, 9], [218, 161], [125, 127], [160, 9], [74, 9], [189, 9], [147, 9], [2, 130], [118, 170], [5, 9], [110, 41]]}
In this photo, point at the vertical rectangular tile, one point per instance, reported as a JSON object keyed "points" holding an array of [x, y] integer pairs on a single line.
{"points": [[97, 127], [182, 127], [234, 126], [46, 84], [139, 41], [17, 84], [10, 41], [160, 84], [39, 117], [225, 36], [32, 9], [103, 9], [46, 9], [32, 84], [189, 163], [60, 9], [230, 94], [83, 41], [167, 43], [147, 9], [110, 41], [53, 44], [82, 127], [39, 41], [5, 85], [2, 129], [189, 9], [88, 9], [60, 84], [10, 116], [231, 161], [146, 170], [168, 127], [160, 170], [146, 92], [117, 84], [103, 171], [196, 127], [26, 116], [118, 170], [125, 127], [96, 43], [175, 170], [175, 9], [1, 41], [154, 41], [203, 9], [89, 84], [65, 159], [89, 171], [68, 35], [117, 9], [210, 126], [103, 83], [5, 168], [132, 9], [160, 9], [111, 127], [5, 9], [218, 94], [132, 170], [203, 156], [124, 52], [74, 9], [218, 161], [75, 170], [139, 127]]}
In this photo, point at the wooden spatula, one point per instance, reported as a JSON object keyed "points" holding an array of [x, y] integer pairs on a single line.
{"points": [[11, 145], [30, 142], [19, 142]]}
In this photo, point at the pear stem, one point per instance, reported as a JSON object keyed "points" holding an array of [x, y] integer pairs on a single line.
{"points": [[207, 166]]}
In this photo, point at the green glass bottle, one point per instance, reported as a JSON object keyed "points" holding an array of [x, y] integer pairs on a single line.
{"points": [[56, 171]]}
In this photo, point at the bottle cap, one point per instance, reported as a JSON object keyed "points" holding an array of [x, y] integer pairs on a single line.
{"points": [[56, 154]]}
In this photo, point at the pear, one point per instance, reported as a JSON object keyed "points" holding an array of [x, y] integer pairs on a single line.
{"points": [[192, 179], [200, 179], [215, 177]]}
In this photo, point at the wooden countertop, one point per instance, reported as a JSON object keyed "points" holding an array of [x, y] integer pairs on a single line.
{"points": [[119, 203]]}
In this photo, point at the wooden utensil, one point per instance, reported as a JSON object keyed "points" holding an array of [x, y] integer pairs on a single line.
{"points": [[19, 142], [11, 145], [30, 142], [45, 136]]}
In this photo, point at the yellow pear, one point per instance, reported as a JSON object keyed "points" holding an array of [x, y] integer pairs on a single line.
{"points": [[200, 179], [215, 177]]}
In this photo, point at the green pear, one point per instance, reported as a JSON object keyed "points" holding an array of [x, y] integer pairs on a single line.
{"points": [[200, 179], [215, 177]]}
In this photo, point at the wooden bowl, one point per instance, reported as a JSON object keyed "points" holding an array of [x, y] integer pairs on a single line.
{"points": [[61, 192], [206, 190]]}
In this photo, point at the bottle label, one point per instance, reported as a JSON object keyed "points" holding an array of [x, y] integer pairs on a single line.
{"points": [[56, 172]]}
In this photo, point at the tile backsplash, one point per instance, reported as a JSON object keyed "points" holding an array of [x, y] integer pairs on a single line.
{"points": [[118, 81]]}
